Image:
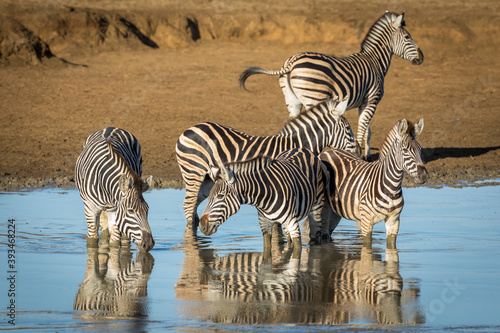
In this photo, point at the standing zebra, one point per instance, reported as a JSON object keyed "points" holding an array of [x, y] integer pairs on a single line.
{"points": [[207, 144], [308, 78], [287, 190], [370, 192], [107, 174]]}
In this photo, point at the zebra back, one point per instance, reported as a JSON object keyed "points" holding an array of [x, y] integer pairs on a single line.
{"points": [[106, 155], [210, 144]]}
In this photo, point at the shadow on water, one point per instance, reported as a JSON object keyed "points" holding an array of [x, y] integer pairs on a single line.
{"points": [[114, 286], [433, 154], [327, 285]]}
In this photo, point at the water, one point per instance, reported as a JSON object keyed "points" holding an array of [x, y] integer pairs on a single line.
{"points": [[444, 274]]}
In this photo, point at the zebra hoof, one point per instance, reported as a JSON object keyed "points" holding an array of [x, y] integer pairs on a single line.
{"points": [[92, 242]]}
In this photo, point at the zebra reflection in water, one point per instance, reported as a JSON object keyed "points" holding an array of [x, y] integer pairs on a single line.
{"points": [[327, 285], [114, 285]]}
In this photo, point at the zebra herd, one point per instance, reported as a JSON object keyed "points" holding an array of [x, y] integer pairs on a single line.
{"points": [[312, 167]]}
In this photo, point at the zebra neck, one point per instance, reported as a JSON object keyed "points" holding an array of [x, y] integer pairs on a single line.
{"points": [[391, 173], [248, 188], [380, 56]]}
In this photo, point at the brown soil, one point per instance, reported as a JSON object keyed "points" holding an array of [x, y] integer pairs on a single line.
{"points": [[157, 69]]}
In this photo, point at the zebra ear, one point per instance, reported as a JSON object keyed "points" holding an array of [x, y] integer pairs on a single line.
{"points": [[402, 127], [227, 175], [399, 21], [213, 172], [340, 107], [125, 182], [417, 129], [230, 176], [147, 184]]}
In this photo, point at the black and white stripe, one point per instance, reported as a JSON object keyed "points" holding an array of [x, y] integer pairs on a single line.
{"points": [[210, 144], [309, 78], [370, 192], [107, 174], [114, 286], [325, 287], [286, 191]]}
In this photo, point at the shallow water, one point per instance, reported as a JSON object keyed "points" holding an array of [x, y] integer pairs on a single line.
{"points": [[445, 273]]}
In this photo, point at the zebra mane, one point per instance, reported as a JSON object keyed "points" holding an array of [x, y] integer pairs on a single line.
{"points": [[255, 163], [135, 176], [289, 124], [392, 135], [379, 26]]}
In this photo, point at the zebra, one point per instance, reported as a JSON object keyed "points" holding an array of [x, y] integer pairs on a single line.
{"points": [[209, 144], [107, 174], [370, 192], [287, 190], [308, 78], [114, 285]]}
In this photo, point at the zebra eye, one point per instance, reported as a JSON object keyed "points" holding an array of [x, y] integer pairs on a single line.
{"points": [[407, 37], [130, 212], [220, 196]]}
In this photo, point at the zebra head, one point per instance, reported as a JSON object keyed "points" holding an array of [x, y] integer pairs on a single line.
{"points": [[341, 136], [132, 210], [410, 150], [402, 44], [223, 200]]}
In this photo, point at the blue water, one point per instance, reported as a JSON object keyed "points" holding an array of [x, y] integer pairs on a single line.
{"points": [[444, 275]]}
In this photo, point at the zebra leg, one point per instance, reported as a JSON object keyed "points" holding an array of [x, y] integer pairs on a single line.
{"points": [[366, 231], [332, 219], [293, 104], [391, 230], [293, 231], [193, 199], [114, 240], [266, 226], [103, 219], [92, 216], [364, 133], [316, 225]]}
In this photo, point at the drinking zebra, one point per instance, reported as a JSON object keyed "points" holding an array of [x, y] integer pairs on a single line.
{"points": [[370, 192], [107, 174], [210, 144], [308, 78], [285, 191]]}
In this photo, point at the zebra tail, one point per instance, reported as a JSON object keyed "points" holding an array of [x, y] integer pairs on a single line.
{"points": [[257, 70]]}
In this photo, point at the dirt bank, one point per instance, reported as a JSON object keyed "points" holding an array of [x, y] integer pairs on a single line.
{"points": [[69, 70]]}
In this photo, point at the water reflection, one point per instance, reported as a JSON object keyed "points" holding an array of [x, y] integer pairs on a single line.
{"points": [[114, 285], [326, 285]]}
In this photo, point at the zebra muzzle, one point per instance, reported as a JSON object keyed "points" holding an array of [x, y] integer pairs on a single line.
{"points": [[147, 242], [419, 59], [205, 227], [422, 175]]}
